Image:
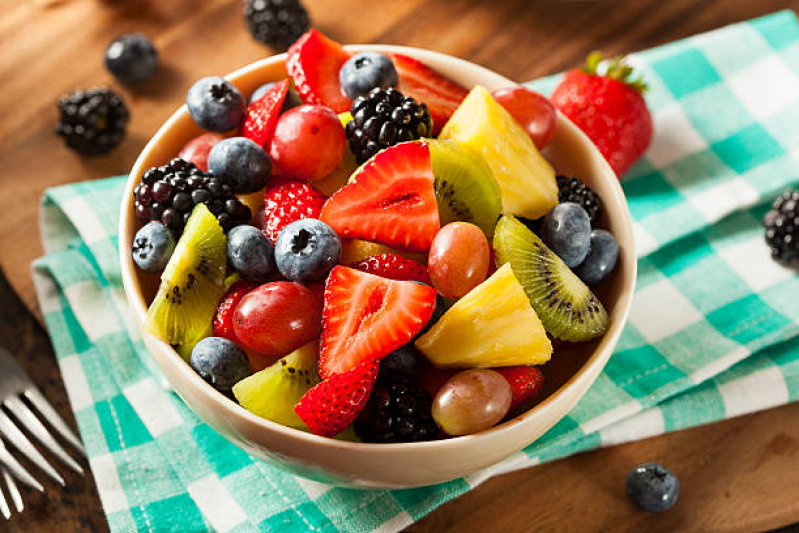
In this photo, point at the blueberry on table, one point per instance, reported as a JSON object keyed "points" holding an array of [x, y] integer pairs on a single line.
{"points": [[250, 254], [306, 250], [215, 104], [601, 259], [567, 231], [365, 71], [220, 362], [131, 58], [245, 164], [652, 487], [152, 247]]}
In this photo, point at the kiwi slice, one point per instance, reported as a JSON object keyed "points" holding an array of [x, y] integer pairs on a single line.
{"points": [[273, 392], [465, 186], [566, 306], [192, 283]]}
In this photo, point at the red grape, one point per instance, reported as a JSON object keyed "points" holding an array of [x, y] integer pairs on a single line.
{"points": [[533, 111], [196, 150], [309, 143], [471, 401], [459, 259]]}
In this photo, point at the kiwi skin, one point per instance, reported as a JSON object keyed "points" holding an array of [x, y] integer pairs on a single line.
{"points": [[465, 186], [566, 306]]}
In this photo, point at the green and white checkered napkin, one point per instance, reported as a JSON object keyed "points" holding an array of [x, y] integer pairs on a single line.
{"points": [[712, 333]]}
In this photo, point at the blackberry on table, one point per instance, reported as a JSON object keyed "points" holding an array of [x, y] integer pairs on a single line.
{"points": [[782, 228], [169, 193], [93, 121], [383, 118], [571, 189], [397, 411], [276, 23]]}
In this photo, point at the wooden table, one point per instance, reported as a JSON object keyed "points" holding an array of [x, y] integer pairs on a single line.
{"points": [[738, 475]]}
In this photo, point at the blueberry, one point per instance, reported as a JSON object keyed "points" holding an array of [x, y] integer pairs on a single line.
{"points": [[601, 258], [306, 250], [292, 98], [365, 71], [403, 361], [250, 254], [152, 247], [220, 362], [245, 164], [652, 487], [131, 58], [567, 231], [215, 104]]}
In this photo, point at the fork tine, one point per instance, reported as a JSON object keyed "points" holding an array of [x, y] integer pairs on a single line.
{"points": [[35, 427], [4, 505], [11, 485], [7, 460], [49, 414], [18, 439]]}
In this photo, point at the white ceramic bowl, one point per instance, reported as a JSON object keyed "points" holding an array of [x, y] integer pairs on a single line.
{"points": [[569, 374]]}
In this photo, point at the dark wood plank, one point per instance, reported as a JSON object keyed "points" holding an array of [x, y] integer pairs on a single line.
{"points": [[737, 476]]}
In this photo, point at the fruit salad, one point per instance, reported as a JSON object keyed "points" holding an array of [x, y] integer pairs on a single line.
{"points": [[367, 250]]}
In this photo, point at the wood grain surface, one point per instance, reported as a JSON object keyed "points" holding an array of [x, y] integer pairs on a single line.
{"points": [[738, 475]]}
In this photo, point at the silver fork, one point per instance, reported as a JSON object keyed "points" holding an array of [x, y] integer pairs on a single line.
{"points": [[15, 388]]}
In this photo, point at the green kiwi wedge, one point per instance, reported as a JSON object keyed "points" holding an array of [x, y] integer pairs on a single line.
{"points": [[192, 283], [273, 392], [465, 186], [566, 306]]}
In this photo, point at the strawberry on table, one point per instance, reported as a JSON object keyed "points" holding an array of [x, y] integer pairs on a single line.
{"points": [[331, 406], [289, 201], [393, 266], [313, 62], [610, 109], [366, 317], [526, 382], [261, 119]]}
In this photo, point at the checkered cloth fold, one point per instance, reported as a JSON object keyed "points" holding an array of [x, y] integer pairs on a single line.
{"points": [[712, 334]]}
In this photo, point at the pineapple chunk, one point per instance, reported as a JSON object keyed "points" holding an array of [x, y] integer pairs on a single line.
{"points": [[494, 325], [526, 179]]}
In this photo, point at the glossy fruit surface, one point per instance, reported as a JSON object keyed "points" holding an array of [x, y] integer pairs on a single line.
{"points": [[526, 382], [131, 58], [652, 487], [250, 254], [365, 71], [262, 114], [288, 201], [244, 164], [471, 401], [308, 144], [601, 259], [153, 245], [215, 104], [533, 111], [307, 250], [393, 266], [458, 260], [197, 150], [220, 362], [277, 318], [567, 232], [314, 62], [223, 319]]}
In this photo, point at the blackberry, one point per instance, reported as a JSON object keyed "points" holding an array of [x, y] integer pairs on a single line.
{"points": [[782, 228], [383, 118], [571, 189], [276, 23], [93, 121], [169, 193], [397, 411]]}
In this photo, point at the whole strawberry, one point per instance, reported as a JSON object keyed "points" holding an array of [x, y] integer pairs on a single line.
{"points": [[287, 202], [526, 382], [610, 109]]}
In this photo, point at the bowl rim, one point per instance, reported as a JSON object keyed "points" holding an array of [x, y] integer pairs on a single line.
{"points": [[588, 371]]}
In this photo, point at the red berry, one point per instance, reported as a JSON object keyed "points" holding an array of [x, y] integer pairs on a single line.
{"points": [[309, 143], [526, 382], [533, 111], [313, 62], [196, 150], [223, 320], [423, 84], [390, 200], [277, 318], [609, 109], [262, 115], [366, 317], [287, 202], [393, 266], [332, 405]]}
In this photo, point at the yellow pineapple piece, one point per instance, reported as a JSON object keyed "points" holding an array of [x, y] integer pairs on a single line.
{"points": [[526, 180], [494, 325]]}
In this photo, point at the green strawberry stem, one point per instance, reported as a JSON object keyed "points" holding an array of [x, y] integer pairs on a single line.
{"points": [[617, 69]]}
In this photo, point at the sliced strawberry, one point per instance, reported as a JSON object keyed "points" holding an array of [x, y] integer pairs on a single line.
{"points": [[393, 266], [223, 320], [526, 382], [441, 94], [332, 405], [390, 200], [313, 62], [366, 317], [259, 124]]}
